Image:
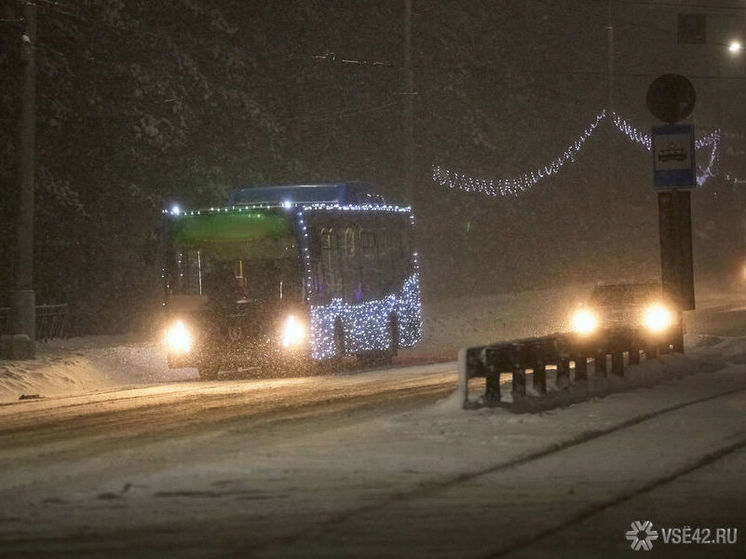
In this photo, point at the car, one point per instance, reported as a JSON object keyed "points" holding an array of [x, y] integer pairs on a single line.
{"points": [[637, 306]]}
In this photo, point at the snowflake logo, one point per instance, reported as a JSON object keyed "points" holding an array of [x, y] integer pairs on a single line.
{"points": [[642, 535]]}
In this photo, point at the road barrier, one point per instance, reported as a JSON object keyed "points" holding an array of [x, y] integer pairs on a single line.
{"points": [[51, 321], [569, 353]]}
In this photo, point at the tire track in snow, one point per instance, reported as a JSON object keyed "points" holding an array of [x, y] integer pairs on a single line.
{"points": [[428, 489], [702, 462]]}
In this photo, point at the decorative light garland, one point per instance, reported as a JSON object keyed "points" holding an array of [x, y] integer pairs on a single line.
{"points": [[515, 185], [366, 325], [705, 173], [370, 207], [626, 128], [287, 205], [734, 180]]}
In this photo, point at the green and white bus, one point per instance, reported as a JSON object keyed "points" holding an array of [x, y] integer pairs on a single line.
{"points": [[290, 274]]}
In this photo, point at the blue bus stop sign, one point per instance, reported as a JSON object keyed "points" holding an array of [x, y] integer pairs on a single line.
{"points": [[673, 157]]}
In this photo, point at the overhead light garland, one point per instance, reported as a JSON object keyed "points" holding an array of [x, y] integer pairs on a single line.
{"points": [[515, 185], [705, 173], [512, 186], [626, 128]]}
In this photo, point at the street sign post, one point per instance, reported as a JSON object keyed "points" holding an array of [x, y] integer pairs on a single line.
{"points": [[671, 98], [673, 157], [677, 267]]}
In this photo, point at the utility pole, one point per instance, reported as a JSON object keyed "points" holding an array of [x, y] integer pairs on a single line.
{"points": [[609, 96], [23, 298], [409, 176]]}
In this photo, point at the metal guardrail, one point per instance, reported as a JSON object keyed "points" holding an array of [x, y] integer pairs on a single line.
{"points": [[565, 351], [51, 321]]}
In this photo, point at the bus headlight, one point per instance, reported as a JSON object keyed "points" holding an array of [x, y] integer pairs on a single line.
{"points": [[178, 338], [584, 322], [293, 332], [657, 318]]}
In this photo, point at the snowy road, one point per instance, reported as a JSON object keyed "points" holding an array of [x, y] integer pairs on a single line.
{"points": [[378, 463], [361, 465]]}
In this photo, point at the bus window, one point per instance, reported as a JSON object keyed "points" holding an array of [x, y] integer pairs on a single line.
{"points": [[331, 269], [351, 266], [394, 258], [237, 270], [371, 270], [358, 262], [350, 242], [396, 255]]}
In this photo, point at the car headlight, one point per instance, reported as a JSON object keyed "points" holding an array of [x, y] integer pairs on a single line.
{"points": [[584, 322], [178, 338], [657, 318], [293, 332]]}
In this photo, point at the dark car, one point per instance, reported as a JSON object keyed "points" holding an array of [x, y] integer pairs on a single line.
{"points": [[639, 306]]}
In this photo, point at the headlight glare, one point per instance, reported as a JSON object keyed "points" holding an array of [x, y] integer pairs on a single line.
{"points": [[178, 338], [584, 322], [293, 332], [657, 318]]}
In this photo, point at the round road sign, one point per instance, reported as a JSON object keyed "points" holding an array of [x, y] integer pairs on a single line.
{"points": [[671, 97]]}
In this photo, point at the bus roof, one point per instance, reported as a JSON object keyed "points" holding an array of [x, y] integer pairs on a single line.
{"points": [[342, 193]]}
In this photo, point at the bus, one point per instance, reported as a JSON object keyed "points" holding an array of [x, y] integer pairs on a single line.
{"points": [[290, 275]]}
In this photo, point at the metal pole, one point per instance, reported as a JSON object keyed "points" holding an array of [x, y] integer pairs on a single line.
{"points": [[675, 230], [23, 299], [609, 95], [408, 105]]}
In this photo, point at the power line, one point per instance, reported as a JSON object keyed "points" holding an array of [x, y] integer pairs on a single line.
{"points": [[332, 57], [344, 113], [59, 8], [681, 5]]}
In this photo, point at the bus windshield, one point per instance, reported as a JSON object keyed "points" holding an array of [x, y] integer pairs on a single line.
{"points": [[232, 264]]}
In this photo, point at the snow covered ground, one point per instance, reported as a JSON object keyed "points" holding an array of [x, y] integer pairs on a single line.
{"points": [[342, 465], [77, 365], [279, 469]]}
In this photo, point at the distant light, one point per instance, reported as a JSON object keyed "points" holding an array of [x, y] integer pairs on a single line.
{"points": [[734, 47], [175, 210], [584, 322], [657, 318], [287, 204]]}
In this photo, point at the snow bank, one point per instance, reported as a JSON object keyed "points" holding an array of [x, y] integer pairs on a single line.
{"points": [[66, 367]]}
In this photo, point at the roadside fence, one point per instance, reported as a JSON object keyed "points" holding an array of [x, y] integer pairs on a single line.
{"points": [[51, 322], [569, 353]]}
